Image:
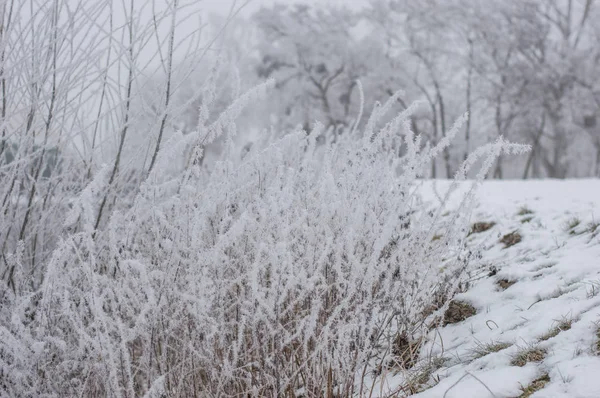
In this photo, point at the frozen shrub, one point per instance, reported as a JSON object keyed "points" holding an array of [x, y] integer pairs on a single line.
{"points": [[283, 273]]}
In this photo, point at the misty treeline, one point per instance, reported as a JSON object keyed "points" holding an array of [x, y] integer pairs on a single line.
{"points": [[154, 241], [527, 70]]}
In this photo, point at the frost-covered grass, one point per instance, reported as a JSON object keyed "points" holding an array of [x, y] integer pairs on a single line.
{"points": [[285, 273]]}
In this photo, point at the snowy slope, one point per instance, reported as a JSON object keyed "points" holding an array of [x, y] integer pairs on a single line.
{"points": [[544, 316]]}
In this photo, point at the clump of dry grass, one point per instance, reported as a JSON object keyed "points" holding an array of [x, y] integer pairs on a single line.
{"points": [[571, 225], [505, 283], [479, 227], [534, 386], [511, 239], [458, 311], [524, 210], [482, 349], [405, 351], [562, 325], [529, 354]]}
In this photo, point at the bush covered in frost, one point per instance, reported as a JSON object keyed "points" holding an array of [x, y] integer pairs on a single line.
{"points": [[282, 274]]}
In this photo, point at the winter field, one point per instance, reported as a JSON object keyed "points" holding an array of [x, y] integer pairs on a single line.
{"points": [[378, 198]]}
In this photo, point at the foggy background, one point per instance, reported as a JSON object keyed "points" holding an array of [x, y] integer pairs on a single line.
{"points": [[527, 71]]}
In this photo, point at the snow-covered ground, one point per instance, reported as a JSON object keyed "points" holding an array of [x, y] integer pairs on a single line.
{"points": [[536, 332]]}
